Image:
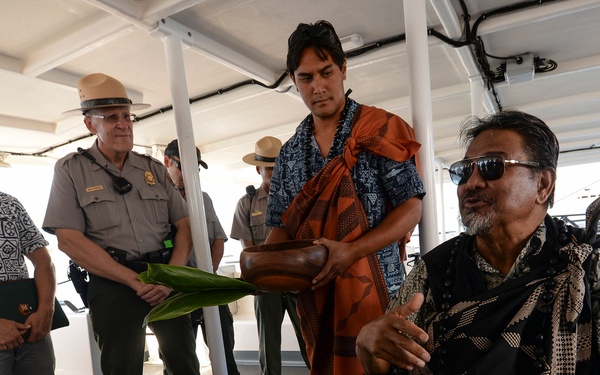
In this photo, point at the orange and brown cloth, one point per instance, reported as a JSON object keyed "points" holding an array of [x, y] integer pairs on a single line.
{"points": [[328, 206]]}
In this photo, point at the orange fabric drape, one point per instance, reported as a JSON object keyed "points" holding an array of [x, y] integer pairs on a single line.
{"points": [[328, 206]]}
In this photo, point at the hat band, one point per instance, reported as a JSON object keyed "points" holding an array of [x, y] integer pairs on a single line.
{"points": [[92, 103], [264, 158]]}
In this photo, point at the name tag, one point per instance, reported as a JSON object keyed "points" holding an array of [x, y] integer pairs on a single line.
{"points": [[256, 213], [93, 188]]}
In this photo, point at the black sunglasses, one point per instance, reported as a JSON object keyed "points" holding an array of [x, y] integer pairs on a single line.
{"points": [[314, 32], [176, 162], [491, 167]]}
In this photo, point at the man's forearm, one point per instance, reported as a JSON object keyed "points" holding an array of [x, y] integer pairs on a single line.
{"points": [[93, 258], [217, 249], [45, 278], [183, 243]]}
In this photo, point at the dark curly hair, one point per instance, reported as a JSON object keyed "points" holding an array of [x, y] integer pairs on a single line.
{"points": [[321, 36]]}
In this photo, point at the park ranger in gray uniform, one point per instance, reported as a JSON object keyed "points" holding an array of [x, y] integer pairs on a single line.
{"points": [[249, 227], [111, 210]]}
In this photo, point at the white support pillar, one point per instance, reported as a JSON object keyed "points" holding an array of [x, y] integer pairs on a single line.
{"points": [[442, 203], [187, 152], [420, 96]]}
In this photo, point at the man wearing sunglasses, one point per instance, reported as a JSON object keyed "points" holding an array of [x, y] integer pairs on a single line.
{"points": [[518, 292], [216, 240], [111, 209], [347, 178]]}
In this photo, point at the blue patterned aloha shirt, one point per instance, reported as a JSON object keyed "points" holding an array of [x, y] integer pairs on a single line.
{"points": [[379, 182]]}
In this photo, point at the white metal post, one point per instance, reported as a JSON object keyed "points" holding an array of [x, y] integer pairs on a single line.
{"points": [[420, 96], [191, 180]]}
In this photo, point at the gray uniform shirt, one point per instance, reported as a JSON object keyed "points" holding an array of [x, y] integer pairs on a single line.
{"points": [[213, 226], [83, 198], [250, 216]]}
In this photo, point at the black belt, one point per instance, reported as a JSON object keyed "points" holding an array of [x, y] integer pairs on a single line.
{"points": [[159, 256], [140, 265]]}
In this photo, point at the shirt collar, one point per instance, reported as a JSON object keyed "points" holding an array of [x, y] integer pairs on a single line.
{"points": [[532, 247]]}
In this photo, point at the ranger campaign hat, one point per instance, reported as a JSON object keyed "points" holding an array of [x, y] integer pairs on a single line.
{"points": [[98, 90], [173, 150], [265, 152]]}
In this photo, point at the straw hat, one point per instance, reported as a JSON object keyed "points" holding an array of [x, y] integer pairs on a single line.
{"points": [[265, 152], [98, 90]]}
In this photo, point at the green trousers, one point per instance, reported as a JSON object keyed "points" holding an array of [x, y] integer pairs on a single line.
{"points": [[270, 310], [117, 314]]}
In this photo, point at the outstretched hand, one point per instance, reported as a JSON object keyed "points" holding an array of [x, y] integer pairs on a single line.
{"points": [[390, 339]]}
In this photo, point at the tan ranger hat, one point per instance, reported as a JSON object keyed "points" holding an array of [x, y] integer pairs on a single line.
{"points": [[265, 152], [98, 90]]}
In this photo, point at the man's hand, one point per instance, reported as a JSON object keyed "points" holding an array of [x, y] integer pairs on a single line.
{"points": [[389, 340], [340, 258], [153, 293], [41, 323], [10, 333]]}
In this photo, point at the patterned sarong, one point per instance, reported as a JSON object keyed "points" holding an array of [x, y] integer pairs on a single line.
{"points": [[328, 206]]}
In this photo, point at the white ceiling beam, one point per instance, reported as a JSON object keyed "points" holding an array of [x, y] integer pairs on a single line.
{"points": [[208, 47], [157, 9], [11, 64], [534, 14], [21, 123], [143, 14], [199, 42], [588, 122], [540, 105], [88, 34], [451, 23]]}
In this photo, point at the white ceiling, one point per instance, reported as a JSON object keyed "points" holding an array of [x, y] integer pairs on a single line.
{"points": [[46, 46]]}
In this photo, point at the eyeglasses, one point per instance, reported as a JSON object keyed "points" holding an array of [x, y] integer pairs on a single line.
{"points": [[113, 119], [491, 167], [314, 32]]}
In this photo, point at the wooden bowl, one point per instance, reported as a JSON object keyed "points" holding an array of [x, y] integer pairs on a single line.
{"points": [[283, 267]]}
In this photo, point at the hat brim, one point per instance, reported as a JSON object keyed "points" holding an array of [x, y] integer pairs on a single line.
{"points": [[250, 159], [132, 107]]}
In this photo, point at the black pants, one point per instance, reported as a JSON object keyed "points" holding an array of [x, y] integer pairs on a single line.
{"points": [[227, 332], [117, 314]]}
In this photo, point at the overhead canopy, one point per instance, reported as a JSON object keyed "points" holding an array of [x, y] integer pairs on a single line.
{"points": [[237, 48]]}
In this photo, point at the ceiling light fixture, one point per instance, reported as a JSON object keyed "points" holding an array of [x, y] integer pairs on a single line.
{"points": [[351, 42]]}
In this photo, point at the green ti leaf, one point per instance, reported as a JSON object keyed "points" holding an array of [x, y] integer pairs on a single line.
{"points": [[188, 279], [195, 289], [184, 303]]}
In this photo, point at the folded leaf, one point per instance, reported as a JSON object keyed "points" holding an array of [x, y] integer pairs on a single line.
{"points": [[184, 303], [195, 289], [188, 279]]}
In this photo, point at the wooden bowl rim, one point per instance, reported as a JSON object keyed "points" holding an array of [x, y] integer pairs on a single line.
{"points": [[281, 246]]}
